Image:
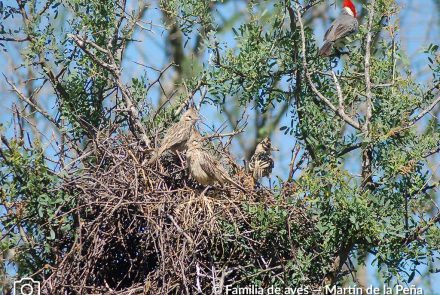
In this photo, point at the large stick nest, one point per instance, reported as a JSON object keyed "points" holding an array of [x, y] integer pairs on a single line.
{"points": [[150, 230]]}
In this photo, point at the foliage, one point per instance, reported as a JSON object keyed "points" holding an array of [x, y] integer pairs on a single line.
{"points": [[68, 220], [36, 216]]}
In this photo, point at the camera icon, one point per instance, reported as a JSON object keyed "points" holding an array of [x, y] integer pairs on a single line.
{"points": [[26, 286]]}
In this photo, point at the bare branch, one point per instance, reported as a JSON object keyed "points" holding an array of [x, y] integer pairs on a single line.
{"points": [[292, 167], [202, 97], [230, 134], [189, 97], [8, 39], [367, 152], [415, 234], [180, 230], [425, 111], [397, 130], [339, 91], [339, 112], [433, 151], [22, 97], [115, 71], [369, 94], [82, 44]]}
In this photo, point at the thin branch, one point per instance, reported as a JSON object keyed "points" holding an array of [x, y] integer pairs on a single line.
{"points": [[367, 153], [292, 166], [338, 111], [369, 94], [180, 230], [396, 131], [230, 134], [115, 71], [82, 44], [22, 97], [349, 149], [202, 97], [161, 73], [189, 97], [425, 111], [432, 152], [415, 234], [8, 39], [339, 91]]}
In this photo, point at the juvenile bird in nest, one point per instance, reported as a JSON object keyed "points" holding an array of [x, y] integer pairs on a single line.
{"points": [[203, 166], [261, 163], [177, 135]]}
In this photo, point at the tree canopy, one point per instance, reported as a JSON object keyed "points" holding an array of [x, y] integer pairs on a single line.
{"points": [[82, 213]]}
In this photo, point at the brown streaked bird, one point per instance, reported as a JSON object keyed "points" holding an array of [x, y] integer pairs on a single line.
{"points": [[177, 135], [203, 166], [261, 163]]}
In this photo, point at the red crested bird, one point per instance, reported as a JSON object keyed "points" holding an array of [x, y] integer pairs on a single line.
{"points": [[344, 25]]}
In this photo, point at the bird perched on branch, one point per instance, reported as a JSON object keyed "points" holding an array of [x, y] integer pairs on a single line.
{"points": [[344, 25], [177, 135], [203, 166], [261, 163]]}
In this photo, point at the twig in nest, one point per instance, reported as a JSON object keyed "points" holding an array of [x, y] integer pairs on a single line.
{"points": [[180, 230]]}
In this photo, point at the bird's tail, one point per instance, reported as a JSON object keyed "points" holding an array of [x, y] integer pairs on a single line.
{"points": [[326, 49]]}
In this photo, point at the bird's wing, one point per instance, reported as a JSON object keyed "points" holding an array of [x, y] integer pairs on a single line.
{"points": [[172, 135], [262, 165], [209, 165], [340, 28], [215, 170], [328, 32], [252, 163]]}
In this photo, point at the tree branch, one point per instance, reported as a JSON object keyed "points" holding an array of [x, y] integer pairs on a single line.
{"points": [[114, 69], [367, 153], [22, 97], [339, 91], [419, 230], [425, 111], [338, 111]]}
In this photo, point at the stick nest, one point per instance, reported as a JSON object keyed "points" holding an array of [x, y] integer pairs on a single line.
{"points": [[150, 230]]}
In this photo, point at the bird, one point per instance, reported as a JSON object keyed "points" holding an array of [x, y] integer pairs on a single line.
{"points": [[261, 163], [177, 135], [344, 25], [203, 166]]}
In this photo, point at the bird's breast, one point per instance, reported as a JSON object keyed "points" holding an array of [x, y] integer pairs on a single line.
{"points": [[197, 171]]}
